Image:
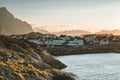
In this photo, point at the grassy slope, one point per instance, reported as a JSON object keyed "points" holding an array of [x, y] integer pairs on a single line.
{"points": [[21, 60]]}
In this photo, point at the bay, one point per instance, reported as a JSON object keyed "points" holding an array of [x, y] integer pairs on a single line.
{"points": [[93, 66]]}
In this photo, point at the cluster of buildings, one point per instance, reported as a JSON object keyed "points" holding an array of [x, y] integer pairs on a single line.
{"points": [[52, 40], [64, 40]]}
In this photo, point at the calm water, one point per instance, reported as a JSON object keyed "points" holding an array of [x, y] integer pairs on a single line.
{"points": [[93, 66]]}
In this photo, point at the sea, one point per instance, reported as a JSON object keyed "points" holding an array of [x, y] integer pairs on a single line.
{"points": [[102, 66]]}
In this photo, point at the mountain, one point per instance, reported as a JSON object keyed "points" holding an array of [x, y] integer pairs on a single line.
{"points": [[10, 25], [72, 32], [103, 32], [23, 60], [115, 32], [37, 29]]}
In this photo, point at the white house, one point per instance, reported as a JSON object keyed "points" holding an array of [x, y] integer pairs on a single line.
{"points": [[115, 38], [89, 38], [48, 42], [102, 42], [75, 42], [64, 37], [36, 41], [58, 42], [48, 36], [18, 37]]}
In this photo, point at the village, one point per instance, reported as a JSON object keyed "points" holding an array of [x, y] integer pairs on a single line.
{"points": [[50, 40]]}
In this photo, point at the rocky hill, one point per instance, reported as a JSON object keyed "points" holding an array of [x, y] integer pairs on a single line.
{"points": [[10, 25], [22, 60]]}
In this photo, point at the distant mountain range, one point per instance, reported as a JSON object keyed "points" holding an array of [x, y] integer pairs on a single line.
{"points": [[77, 32], [10, 25], [83, 32], [115, 32], [72, 32], [66, 32]]}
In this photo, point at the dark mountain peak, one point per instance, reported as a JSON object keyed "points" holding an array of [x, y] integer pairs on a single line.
{"points": [[3, 8], [5, 14], [10, 25]]}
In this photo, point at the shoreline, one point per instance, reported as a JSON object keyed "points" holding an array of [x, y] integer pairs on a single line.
{"points": [[61, 51]]}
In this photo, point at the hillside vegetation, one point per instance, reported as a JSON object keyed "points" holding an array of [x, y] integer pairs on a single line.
{"points": [[22, 60]]}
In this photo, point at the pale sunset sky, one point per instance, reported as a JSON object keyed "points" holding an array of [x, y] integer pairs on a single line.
{"points": [[59, 15]]}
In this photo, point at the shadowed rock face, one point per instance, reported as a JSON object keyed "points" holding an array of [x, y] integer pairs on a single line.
{"points": [[52, 61], [10, 25], [22, 60], [31, 49]]}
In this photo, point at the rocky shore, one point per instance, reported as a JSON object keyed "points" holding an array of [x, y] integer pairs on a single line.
{"points": [[22, 60], [67, 50]]}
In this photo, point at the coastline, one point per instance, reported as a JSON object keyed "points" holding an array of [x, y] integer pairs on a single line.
{"points": [[61, 51]]}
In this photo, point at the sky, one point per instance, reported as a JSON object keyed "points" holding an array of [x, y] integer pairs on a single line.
{"points": [[59, 15]]}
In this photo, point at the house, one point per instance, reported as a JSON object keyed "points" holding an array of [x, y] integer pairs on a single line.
{"points": [[64, 37], [102, 42], [36, 41], [76, 42], [14, 36], [58, 42], [115, 38], [18, 37], [89, 38], [96, 42], [48, 36], [48, 42]]}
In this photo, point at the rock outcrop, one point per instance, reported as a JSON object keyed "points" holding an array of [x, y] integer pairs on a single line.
{"points": [[22, 60], [10, 25]]}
